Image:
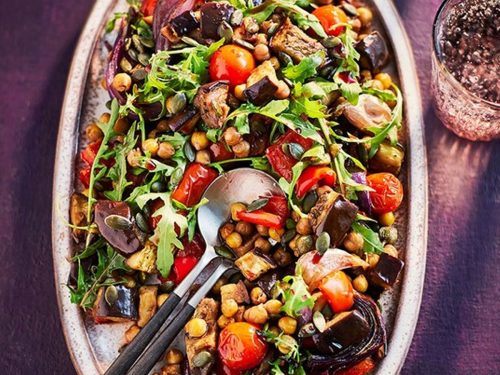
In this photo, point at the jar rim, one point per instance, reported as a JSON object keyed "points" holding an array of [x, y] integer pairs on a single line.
{"points": [[440, 64]]}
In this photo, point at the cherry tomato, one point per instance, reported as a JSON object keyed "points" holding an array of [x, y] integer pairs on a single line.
{"points": [[329, 16], [196, 179], [240, 347], [312, 176], [387, 194], [148, 7], [232, 63], [362, 368], [281, 162], [337, 289]]}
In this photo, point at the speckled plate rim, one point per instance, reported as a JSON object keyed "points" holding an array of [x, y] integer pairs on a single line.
{"points": [[76, 336]]}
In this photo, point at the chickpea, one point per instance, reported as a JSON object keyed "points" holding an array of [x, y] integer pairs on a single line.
{"points": [[391, 250], [385, 79], [196, 327], [121, 125], [131, 333], [174, 357], [365, 15], [387, 219], [203, 157], [104, 118], [293, 243], [263, 244], [276, 234], [304, 226], [283, 91], [122, 82], [229, 307], [226, 230], [224, 321], [377, 85], [288, 325], [244, 228], [373, 259], [94, 133], [355, 24], [366, 75], [274, 330], [353, 242], [256, 315], [232, 136], [261, 38], [199, 140], [282, 257], [153, 133], [360, 283], [234, 240], [133, 158], [261, 52], [273, 306], [239, 91], [161, 298], [235, 208], [286, 344], [166, 150], [242, 149], [275, 63], [150, 146], [258, 296], [262, 230]]}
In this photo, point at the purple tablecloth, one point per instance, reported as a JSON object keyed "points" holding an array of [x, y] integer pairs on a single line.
{"points": [[459, 328]]}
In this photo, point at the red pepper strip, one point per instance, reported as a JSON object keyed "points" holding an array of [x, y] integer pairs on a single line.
{"points": [[281, 162], [312, 176], [362, 368], [181, 267], [89, 153], [261, 217], [278, 205], [148, 7], [84, 176], [219, 152], [196, 179]]}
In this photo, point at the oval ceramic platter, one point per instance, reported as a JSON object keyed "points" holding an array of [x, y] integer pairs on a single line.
{"points": [[93, 347]]}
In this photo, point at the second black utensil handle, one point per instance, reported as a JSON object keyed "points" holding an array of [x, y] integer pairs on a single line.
{"points": [[158, 347], [133, 350]]}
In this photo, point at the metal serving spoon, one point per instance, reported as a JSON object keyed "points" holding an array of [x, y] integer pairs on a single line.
{"points": [[238, 185]]}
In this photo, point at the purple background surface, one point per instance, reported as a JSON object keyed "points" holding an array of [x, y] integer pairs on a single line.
{"points": [[458, 330]]}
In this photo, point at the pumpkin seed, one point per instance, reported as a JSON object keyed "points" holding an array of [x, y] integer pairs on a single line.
{"points": [[323, 243], [139, 74], [290, 224], [189, 151], [257, 204], [225, 31], [304, 244], [175, 178], [141, 222], [272, 29], [133, 54], [176, 103], [158, 186], [319, 321], [147, 42], [294, 150], [285, 59], [251, 25], [136, 41], [236, 18], [117, 222], [128, 43], [143, 58], [288, 235], [167, 286], [350, 9], [108, 104], [309, 201], [331, 42], [224, 252], [244, 44], [326, 72], [202, 359], [307, 330], [111, 295], [388, 234], [125, 65]]}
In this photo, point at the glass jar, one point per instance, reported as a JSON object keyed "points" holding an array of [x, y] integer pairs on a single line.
{"points": [[460, 110]]}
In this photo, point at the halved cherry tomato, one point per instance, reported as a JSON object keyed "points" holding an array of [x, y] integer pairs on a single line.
{"points": [[232, 63], [337, 289], [148, 7], [312, 176], [281, 162], [240, 347], [329, 16], [196, 179], [387, 194], [362, 368]]}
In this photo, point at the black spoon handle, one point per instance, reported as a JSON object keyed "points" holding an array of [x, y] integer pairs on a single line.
{"points": [[132, 351]]}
